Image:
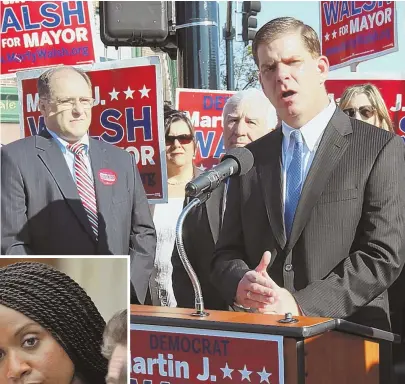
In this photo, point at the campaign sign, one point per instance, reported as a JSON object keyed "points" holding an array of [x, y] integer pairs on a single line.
{"points": [[175, 355], [204, 108], [392, 90], [354, 31], [44, 33], [128, 113]]}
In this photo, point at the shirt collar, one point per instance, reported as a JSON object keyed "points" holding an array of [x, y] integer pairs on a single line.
{"points": [[63, 143], [311, 131]]}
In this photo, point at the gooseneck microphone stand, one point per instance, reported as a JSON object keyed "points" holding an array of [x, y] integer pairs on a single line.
{"points": [[199, 301]]}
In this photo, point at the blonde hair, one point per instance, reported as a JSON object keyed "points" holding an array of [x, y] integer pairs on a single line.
{"points": [[375, 98], [279, 27]]}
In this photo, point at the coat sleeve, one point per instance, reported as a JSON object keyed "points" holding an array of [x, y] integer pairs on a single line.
{"points": [[378, 251], [228, 265], [142, 246], [15, 238]]}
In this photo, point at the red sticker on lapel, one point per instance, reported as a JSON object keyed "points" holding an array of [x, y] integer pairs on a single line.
{"points": [[107, 176]]}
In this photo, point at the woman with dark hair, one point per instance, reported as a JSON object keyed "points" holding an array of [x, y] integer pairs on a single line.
{"points": [[169, 283], [51, 331]]}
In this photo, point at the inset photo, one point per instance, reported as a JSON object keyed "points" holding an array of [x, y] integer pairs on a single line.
{"points": [[64, 320]]}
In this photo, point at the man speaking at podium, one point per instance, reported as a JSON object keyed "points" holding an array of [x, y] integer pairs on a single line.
{"points": [[317, 227]]}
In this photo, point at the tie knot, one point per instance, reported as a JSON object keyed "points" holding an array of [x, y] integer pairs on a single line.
{"points": [[296, 135], [77, 148]]}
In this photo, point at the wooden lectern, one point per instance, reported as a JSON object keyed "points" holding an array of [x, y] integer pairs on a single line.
{"points": [[315, 350]]}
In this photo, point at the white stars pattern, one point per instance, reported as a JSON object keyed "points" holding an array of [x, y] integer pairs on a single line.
{"points": [[326, 37], [227, 371], [202, 168], [144, 92], [245, 373], [114, 94], [334, 33], [264, 376], [128, 93]]}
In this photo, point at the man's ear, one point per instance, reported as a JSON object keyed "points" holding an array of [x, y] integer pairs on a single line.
{"points": [[323, 68], [42, 107]]}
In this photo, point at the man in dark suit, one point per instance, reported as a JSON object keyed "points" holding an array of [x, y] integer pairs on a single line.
{"points": [[66, 193], [247, 115], [317, 227]]}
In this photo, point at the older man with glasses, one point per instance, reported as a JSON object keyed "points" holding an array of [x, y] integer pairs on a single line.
{"points": [[66, 193]]}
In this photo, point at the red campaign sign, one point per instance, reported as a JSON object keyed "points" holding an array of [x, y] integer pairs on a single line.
{"points": [[354, 31], [128, 112], [45, 33], [392, 91], [165, 355], [204, 107]]}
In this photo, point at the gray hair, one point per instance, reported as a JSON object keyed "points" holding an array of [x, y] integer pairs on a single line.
{"points": [[115, 333], [254, 96]]}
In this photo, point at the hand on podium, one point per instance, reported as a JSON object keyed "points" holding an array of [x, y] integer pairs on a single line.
{"points": [[258, 291]]}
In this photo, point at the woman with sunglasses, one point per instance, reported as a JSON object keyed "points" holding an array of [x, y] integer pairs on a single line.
{"points": [[166, 288], [50, 330], [364, 102]]}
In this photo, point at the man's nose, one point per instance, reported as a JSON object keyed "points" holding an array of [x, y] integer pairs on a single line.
{"points": [[16, 366], [78, 108], [241, 127], [282, 72]]}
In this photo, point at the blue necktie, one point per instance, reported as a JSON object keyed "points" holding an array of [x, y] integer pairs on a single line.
{"points": [[293, 181]]}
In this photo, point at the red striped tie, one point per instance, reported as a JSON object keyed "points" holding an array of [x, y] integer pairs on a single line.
{"points": [[85, 184]]}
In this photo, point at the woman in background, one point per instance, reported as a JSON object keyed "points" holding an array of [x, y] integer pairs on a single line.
{"points": [[51, 331], [170, 287], [364, 102]]}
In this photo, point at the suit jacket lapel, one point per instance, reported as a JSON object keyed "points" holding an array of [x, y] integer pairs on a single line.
{"points": [[331, 148], [99, 160], [271, 180], [214, 209], [52, 157]]}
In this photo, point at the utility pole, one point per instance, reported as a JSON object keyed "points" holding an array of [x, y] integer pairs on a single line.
{"points": [[229, 34], [198, 44]]}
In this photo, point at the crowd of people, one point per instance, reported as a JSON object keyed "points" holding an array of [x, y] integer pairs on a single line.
{"points": [[315, 228]]}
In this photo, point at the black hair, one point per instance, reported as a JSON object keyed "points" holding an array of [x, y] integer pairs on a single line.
{"points": [[57, 303]]}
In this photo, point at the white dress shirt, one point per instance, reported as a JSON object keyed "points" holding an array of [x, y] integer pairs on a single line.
{"points": [[312, 133], [70, 157]]}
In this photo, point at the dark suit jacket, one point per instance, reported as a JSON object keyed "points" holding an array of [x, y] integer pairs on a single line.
{"points": [[347, 243], [42, 212], [200, 233]]}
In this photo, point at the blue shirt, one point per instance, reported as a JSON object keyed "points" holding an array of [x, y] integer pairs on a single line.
{"points": [[70, 157], [312, 133]]}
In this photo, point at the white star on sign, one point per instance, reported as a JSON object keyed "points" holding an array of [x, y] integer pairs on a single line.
{"points": [[144, 91], [327, 37], [227, 371], [128, 93], [264, 376], [334, 34], [114, 94], [245, 373], [202, 168]]}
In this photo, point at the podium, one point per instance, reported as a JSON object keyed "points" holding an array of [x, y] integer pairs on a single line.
{"points": [[170, 346]]}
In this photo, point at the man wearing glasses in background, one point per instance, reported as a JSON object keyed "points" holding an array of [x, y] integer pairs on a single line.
{"points": [[66, 193]]}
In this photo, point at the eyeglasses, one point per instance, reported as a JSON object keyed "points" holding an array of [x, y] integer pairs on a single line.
{"points": [[70, 102], [365, 111], [182, 139]]}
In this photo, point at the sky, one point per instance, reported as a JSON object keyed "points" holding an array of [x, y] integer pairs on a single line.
{"points": [[308, 12]]}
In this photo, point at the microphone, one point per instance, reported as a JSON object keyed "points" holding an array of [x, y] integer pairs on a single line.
{"points": [[238, 161]]}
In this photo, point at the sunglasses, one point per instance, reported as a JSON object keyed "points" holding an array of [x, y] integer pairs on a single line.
{"points": [[365, 111], [182, 139]]}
